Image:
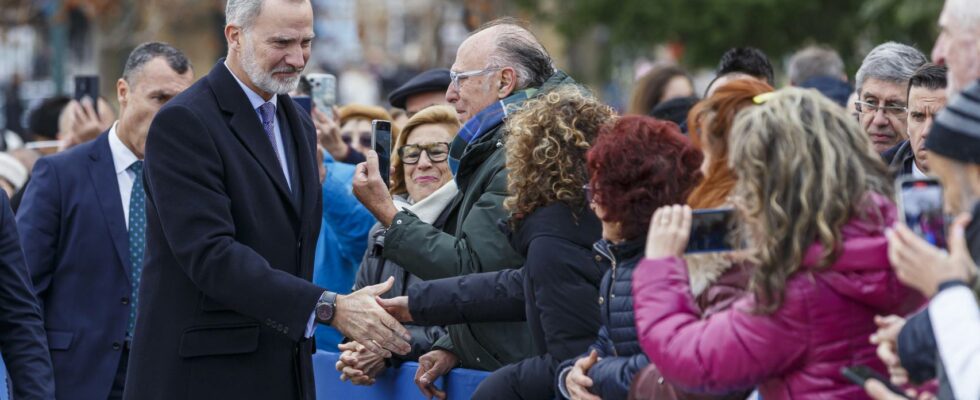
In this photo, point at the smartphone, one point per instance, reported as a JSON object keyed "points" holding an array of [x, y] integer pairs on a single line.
{"points": [[712, 231], [381, 143], [920, 205], [88, 86], [859, 374], [305, 102], [323, 91]]}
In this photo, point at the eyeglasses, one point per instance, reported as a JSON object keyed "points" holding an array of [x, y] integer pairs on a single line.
{"points": [[411, 153], [589, 193], [363, 140], [889, 108], [455, 77]]}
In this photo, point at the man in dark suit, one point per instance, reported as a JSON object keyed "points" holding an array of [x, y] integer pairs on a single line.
{"points": [[233, 212], [22, 341], [82, 222]]}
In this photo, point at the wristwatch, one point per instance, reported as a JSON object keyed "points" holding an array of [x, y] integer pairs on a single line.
{"points": [[326, 308]]}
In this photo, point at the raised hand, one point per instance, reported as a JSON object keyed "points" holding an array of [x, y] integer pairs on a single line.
{"points": [[922, 266], [577, 382], [670, 229], [371, 190]]}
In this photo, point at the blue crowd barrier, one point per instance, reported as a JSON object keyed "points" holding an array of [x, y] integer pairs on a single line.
{"points": [[393, 383], [4, 388]]}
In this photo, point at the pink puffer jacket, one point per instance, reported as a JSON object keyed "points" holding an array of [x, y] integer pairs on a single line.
{"points": [[794, 353]]}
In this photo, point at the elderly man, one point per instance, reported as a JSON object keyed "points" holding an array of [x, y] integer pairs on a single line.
{"points": [[882, 88], [226, 306], [958, 45], [926, 96], [81, 225], [497, 69]]}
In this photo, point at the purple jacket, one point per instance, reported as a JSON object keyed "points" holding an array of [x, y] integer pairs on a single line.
{"points": [[796, 352]]}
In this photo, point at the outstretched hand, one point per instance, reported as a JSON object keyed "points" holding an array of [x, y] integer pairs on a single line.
{"points": [[359, 317], [397, 307]]}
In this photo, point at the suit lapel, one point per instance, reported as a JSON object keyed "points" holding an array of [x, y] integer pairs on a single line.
{"points": [[102, 171], [248, 129], [309, 183]]}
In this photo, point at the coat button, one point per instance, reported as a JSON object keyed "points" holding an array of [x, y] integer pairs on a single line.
{"points": [[299, 245], [612, 296], [601, 300], [598, 258], [124, 301], [478, 359], [399, 222], [116, 346]]}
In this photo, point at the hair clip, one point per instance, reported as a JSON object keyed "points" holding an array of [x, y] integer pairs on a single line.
{"points": [[762, 98]]}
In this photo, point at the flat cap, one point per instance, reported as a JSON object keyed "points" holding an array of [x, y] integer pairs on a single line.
{"points": [[429, 81]]}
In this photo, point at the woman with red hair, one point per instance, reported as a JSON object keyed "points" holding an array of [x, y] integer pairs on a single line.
{"points": [[637, 165], [715, 281]]}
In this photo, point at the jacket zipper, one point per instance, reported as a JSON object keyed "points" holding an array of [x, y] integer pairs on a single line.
{"points": [[612, 285]]}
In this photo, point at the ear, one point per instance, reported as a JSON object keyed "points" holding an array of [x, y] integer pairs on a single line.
{"points": [[508, 82], [122, 92], [233, 35]]}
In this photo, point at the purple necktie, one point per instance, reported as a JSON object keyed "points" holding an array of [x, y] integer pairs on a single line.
{"points": [[268, 113]]}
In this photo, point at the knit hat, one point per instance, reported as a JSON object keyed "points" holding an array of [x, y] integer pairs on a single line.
{"points": [[956, 132], [12, 171]]}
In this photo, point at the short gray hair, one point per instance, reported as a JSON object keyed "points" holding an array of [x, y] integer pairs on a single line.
{"points": [[890, 62], [146, 52], [813, 62], [242, 13], [518, 48]]}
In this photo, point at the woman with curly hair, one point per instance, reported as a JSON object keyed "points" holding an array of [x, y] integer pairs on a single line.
{"points": [[552, 226], [814, 201], [638, 164]]}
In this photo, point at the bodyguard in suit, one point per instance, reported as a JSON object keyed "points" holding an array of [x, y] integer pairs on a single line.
{"points": [[82, 224], [226, 307], [22, 341]]}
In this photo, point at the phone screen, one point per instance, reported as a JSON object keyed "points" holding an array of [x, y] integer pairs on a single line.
{"points": [[858, 374], [87, 86], [921, 207], [323, 91], [711, 231], [381, 143]]}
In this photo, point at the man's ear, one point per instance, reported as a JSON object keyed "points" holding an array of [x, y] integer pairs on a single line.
{"points": [[508, 82], [234, 36], [122, 92]]}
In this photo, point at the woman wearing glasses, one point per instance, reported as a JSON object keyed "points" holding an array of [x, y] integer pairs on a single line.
{"points": [[422, 183]]}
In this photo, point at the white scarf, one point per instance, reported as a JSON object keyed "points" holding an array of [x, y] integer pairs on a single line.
{"points": [[429, 209]]}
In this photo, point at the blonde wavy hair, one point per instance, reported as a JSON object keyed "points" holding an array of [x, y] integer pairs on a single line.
{"points": [[444, 116], [546, 145], [804, 169]]}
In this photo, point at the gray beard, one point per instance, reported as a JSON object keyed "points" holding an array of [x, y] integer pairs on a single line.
{"points": [[262, 79]]}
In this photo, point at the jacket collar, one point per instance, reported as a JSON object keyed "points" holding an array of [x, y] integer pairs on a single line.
{"points": [[620, 252]]}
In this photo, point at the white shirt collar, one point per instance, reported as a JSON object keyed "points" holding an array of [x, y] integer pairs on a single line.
{"points": [[253, 97], [916, 172], [122, 156]]}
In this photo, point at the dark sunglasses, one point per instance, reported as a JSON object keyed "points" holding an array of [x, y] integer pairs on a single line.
{"points": [[411, 153]]}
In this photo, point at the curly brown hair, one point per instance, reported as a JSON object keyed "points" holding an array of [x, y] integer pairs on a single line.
{"points": [[546, 145]]}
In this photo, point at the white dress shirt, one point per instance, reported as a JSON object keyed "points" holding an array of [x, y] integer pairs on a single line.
{"points": [[955, 322], [122, 158], [258, 101]]}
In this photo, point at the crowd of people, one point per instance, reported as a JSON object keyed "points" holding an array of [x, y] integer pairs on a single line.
{"points": [[209, 237]]}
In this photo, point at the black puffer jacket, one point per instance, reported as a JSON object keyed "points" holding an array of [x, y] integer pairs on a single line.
{"points": [[617, 345]]}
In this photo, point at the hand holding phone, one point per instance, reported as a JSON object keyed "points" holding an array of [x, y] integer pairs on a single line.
{"points": [[381, 143], [859, 374]]}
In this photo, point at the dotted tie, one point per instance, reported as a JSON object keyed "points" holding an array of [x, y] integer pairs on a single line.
{"points": [[137, 235], [268, 113]]}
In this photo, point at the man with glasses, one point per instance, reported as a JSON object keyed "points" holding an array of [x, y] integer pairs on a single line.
{"points": [[882, 83], [497, 69]]}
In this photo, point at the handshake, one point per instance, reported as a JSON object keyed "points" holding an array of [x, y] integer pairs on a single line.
{"points": [[374, 327]]}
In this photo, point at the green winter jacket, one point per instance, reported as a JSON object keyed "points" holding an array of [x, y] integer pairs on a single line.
{"points": [[477, 245]]}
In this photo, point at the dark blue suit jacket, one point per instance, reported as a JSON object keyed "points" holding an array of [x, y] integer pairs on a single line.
{"points": [[226, 294], [77, 248], [22, 341]]}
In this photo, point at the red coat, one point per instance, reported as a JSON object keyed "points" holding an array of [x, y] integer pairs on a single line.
{"points": [[796, 352]]}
